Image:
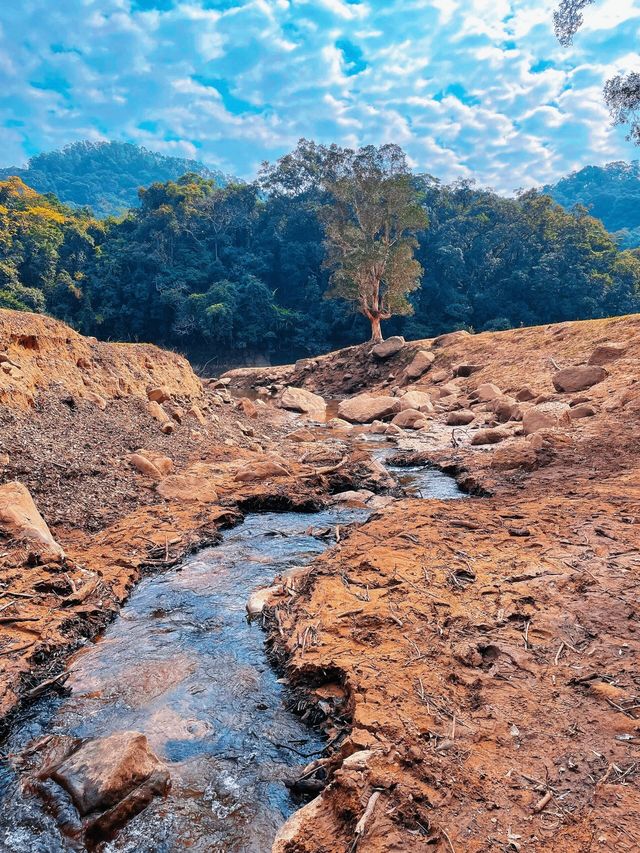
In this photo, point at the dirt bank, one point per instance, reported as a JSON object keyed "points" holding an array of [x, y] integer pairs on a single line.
{"points": [[486, 653]]}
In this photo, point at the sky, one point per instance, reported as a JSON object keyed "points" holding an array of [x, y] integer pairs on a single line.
{"points": [[474, 89]]}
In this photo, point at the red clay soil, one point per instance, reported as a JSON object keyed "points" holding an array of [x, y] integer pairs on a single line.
{"points": [[486, 652]]}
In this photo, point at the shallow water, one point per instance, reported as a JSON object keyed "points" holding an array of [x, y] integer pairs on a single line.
{"points": [[182, 665]]}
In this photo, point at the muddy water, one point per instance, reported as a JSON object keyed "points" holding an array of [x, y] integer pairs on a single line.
{"points": [[182, 665]]}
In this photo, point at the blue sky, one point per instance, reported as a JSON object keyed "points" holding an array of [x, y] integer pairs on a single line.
{"points": [[469, 88]]}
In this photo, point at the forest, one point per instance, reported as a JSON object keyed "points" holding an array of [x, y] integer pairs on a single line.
{"points": [[237, 272]]}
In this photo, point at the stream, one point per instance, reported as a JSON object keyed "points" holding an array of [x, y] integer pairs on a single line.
{"points": [[182, 665]]}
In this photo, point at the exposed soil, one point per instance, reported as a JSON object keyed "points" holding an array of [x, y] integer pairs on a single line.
{"points": [[481, 657]]}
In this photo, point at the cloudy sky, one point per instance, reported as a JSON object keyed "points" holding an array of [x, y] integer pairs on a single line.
{"points": [[469, 88]]}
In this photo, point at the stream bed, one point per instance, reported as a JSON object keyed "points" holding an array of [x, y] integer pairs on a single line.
{"points": [[182, 665]]}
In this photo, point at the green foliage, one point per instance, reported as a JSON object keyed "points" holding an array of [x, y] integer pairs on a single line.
{"points": [[104, 176], [239, 271]]}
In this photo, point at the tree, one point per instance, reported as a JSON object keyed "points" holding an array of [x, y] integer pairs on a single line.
{"points": [[622, 92], [370, 228]]}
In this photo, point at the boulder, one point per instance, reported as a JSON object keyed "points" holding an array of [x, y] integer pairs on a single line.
{"points": [[486, 392], [489, 436], [450, 338], [256, 471], [506, 409], [104, 771], [259, 599], [513, 456], [365, 408], [247, 407], [526, 394], [439, 376], [385, 349], [584, 410], [378, 428], [145, 466], [546, 416], [409, 419], [392, 429], [460, 418], [159, 395], [20, 520], [607, 352], [421, 362], [301, 400], [156, 411], [572, 379], [416, 400]]}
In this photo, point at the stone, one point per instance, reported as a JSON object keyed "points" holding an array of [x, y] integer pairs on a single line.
{"points": [[572, 379], [486, 392], [365, 408], [451, 338], [607, 352], [156, 411], [97, 399], [525, 394], [256, 471], [247, 407], [299, 821], [103, 771], [511, 457], [338, 423], [301, 400], [196, 412], [409, 419], [584, 410], [385, 349], [421, 362], [196, 484], [20, 519], [439, 376], [300, 435], [176, 413], [259, 599], [167, 428], [145, 466], [161, 462], [392, 429], [506, 409], [378, 428], [159, 395], [465, 370], [488, 436], [460, 418], [416, 400], [324, 454], [546, 416]]}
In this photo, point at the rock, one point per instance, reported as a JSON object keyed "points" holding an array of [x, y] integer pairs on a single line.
{"points": [[301, 400], [514, 456], [196, 412], [385, 349], [506, 409], [195, 484], [247, 407], [409, 419], [167, 428], [301, 435], [4, 459], [378, 428], [256, 471], [486, 392], [572, 379], [460, 418], [176, 413], [156, 411], [104, 771], [259, 599], [465, 370], [159, 395], [439, 376], [364, 408], [324, 454], [607, 352], [338, 423], [145, 466], [392, 429], [299, 821], [546, 416], [416, 400], [360, 497], [584, 410], [526, 394], [358, 760], [488, 436], [99, 401], [20, 519], [422, 362], [450, 338], [161, 462]]}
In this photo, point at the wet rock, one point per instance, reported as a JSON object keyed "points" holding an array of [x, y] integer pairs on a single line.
{"points": [[462, 417], [416, 400], [256, 471], [572, 379], [409, 419], [489, 436], [607, 352], [20, 519], [421, 362], [546, 416], [259, 599], [104, 773], [145, 466], [451, 338], [301, 400], [159, 395], [364, 408], [584, 410], [385, 349], [486, 392]]}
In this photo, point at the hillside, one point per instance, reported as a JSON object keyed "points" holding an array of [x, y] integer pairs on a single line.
{"points": [[104, 176], [612, 194]]}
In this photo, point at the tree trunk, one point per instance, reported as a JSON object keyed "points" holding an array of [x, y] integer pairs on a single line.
{"points": [[376, 331]]}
